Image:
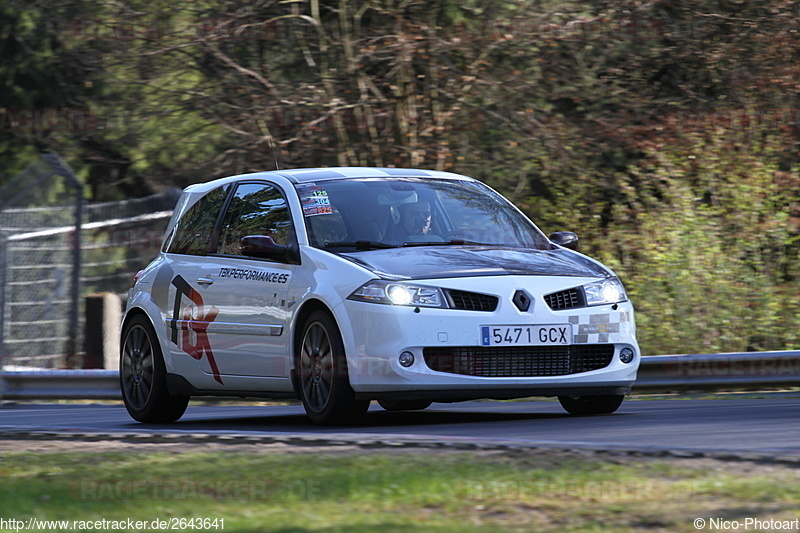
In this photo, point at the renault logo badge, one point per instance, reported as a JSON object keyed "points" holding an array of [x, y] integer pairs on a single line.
{"points": [[522, 300]]}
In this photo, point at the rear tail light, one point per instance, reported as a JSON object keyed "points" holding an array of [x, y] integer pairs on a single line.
{"points": [[136, 278]]}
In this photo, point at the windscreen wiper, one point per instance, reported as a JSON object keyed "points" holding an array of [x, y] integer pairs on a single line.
{"points": [[359, 245], [454, 242]]}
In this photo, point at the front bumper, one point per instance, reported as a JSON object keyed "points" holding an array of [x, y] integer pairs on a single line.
{"points": [[378, 334]]}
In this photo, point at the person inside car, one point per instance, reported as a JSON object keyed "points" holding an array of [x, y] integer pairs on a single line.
{"points": [[412, 223], [415, 219]]}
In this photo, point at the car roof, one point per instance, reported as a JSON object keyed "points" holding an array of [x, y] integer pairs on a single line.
{"points": [[303, 175], [307, 175]]}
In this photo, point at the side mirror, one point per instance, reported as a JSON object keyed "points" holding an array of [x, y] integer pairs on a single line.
{"points": [[567, 239], [264, 247]]}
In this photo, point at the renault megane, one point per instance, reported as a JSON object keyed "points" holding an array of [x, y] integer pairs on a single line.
{"points": [[339, 286]]}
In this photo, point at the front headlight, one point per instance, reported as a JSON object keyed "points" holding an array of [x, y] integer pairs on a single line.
{"points": [[397, 293], [607, 291]]}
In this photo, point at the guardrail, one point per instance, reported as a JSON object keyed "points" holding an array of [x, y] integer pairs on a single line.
{"points": [[657, 373], [60, 385], [722, 371]]}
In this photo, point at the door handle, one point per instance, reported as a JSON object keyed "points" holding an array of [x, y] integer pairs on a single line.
{"points": [[204, 281]]}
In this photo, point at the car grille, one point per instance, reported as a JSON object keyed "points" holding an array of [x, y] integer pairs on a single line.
{"points": [[518, 361], [568, 299], [471, 301]]}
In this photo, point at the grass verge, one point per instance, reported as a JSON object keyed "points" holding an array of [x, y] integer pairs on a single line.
{"points": [[357, 491]]}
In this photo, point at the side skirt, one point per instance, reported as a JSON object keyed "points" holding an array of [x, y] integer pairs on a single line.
{"points": [[178, 386]]}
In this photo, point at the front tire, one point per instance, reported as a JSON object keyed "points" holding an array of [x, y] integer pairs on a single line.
{"points": [[591, 405], [323, 378], [142, 376]]}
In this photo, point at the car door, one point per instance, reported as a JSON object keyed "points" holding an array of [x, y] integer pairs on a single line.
{"points": [[249, 332], [176, 289]]}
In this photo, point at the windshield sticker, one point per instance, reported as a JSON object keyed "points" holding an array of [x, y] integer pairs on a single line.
{"points": [[315, 200]]}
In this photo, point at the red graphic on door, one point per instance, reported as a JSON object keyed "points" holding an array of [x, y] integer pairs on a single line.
{"points": [[194, 320]]}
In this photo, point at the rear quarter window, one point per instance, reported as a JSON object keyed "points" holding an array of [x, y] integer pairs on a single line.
{"points": [[194, 232]]}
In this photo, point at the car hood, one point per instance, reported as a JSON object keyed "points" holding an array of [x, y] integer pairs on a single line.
{"points": [[470, 261]]}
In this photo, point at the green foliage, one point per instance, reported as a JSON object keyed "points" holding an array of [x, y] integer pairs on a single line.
{"points": [[33, 66], [709, 251], [665, 134]]}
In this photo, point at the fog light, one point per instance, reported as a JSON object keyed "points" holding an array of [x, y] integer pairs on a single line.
{"points": [[626, 355], [406, 359]]}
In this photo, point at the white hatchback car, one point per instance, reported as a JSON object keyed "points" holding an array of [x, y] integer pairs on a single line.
{"points": [[339, 286]]}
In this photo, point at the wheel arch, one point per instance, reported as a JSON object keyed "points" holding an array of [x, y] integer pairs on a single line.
{"points": [[137, 311], [301, 316], [130, 315], [132, 312]]}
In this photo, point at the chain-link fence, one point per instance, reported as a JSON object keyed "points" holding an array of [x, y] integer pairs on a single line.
{"points": [[41, 291]]}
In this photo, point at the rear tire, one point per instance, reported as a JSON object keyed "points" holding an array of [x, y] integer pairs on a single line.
{"points": [[322, 375], [404, 405], [591, 405], [142, 376]]}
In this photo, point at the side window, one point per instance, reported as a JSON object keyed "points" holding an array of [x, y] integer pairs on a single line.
{"points": [[255, 209], [195, 229]]}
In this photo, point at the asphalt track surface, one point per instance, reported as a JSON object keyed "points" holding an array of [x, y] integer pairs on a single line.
{"points": [[767, 427]]}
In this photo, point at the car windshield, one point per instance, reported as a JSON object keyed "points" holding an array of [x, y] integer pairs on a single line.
{"points": [[374, 213]]}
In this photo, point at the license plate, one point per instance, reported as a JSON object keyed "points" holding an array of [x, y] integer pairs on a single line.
{"points": [[526, 335]]}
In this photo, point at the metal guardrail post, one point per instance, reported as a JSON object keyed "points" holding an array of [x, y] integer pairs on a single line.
{"points": [[103, 314], [3, 285]]}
